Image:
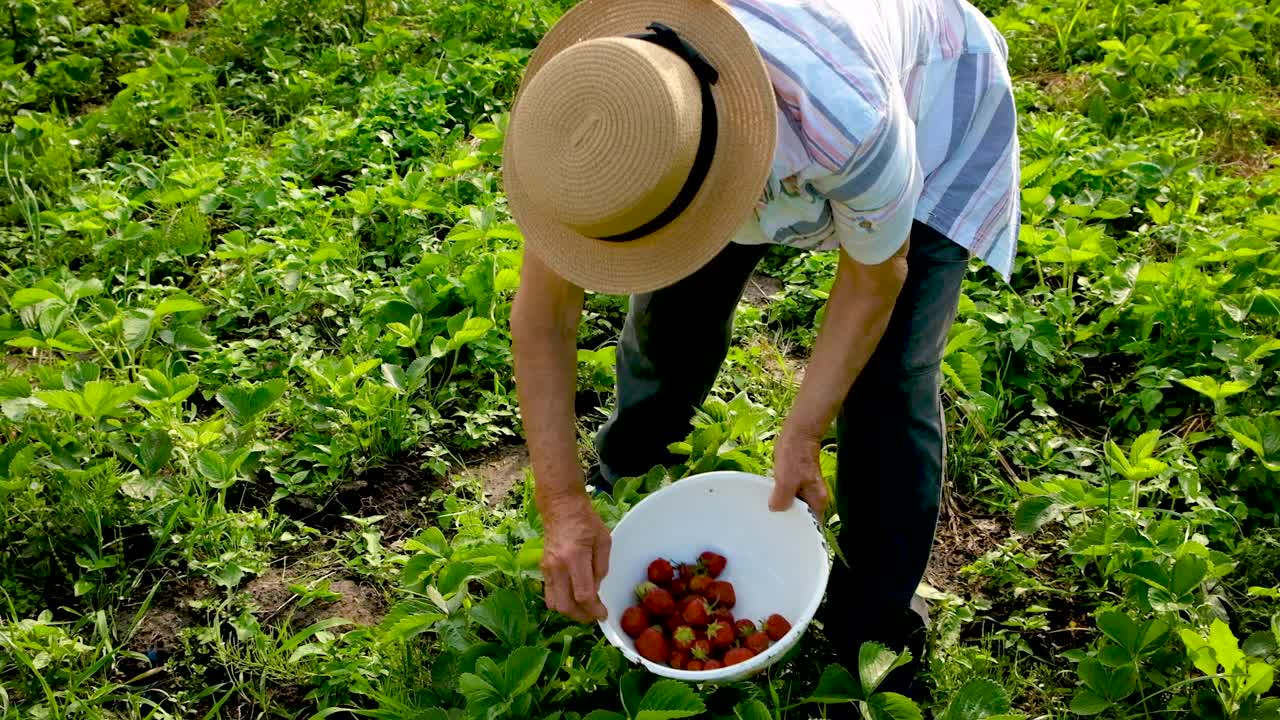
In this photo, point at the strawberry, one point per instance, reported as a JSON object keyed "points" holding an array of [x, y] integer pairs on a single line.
{"points": [[712, 664], [679, 659], [757, 642], [745, 627], [721, 593], [720, 635], [699, 584], [653, 646], [776, 626], [701, 649], [696, 613], [724, 615], [657, 601], [737, 655], [679, 588], [661, 572], [696, 665], [712, 563], [634, 620], [673, 623], [683, 637], [687, 570]]}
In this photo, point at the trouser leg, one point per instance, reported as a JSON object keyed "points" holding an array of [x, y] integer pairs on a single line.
{"points": [[891, 453], [671, 349]]}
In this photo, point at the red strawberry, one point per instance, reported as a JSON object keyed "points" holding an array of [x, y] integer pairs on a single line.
{"points": [[712, 563], [776, 626], [679, 588], [721, 593], [720, 635], [757, 642], [745, 627], [634, 620], [699, 584], [657, 601], [737, 655], [696, 665], [683, 637], [672, 622], [653, 646], [712, 664], [679, 659], [701, 649], [696, 613], [724, 615], [661, 572], [687, 570]]}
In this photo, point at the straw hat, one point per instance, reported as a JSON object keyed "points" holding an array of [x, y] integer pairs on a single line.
{"points": [[621, 178]]}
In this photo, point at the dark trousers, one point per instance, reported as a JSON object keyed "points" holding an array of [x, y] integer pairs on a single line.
{"points": [[891, 440]]}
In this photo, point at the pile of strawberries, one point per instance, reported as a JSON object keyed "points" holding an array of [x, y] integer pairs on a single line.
{"points": [[685, 618]]}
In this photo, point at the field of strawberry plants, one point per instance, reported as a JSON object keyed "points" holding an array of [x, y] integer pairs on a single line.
{"points": [[259, 447]]}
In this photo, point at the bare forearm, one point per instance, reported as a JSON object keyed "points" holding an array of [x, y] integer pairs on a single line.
{"points": [[544, 325], [857, 313]]}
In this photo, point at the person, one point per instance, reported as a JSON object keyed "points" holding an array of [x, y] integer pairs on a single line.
{"points": [[656, 148]]}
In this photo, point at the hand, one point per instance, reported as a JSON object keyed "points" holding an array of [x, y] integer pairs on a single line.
{"points": [[797, 471], [575, 557]]}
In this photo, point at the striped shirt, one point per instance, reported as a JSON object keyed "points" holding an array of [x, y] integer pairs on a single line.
{"points": [[889, 111]]}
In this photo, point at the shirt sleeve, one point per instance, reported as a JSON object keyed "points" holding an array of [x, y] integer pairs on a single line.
{"points": [[873, 196]]}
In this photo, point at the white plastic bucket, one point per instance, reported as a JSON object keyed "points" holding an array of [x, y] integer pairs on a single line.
{"points": [[778, 562]]}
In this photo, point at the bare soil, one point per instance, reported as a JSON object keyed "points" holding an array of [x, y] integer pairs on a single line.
{"points": [[274, 603], [501, 471], [159, 631], [761, 288], [960, 540]]}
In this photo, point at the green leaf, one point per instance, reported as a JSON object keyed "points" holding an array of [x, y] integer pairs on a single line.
{"points": [[1199, 651], [963, 370], [976, 700], [1188, 572], [875, 662], [505, 615], [480, 693], [431, 541], [752, 710], [175, 305], [1144, 446], [667, 700], [152, 454], [136, 326], [1260, 678], [523, 667], [408, 619], [32, 296], [245, 402], [16, 459], [473, 329], [1114, 684], [837, 685], [892, 706], [1033, 512], [1212, 389], [1260, 644], [604, 715], [631, 689], [1225, 646], [98, 400], [1087, 703], [1119, 462], [1260, 434], [456, 574], [1117, 626]]}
